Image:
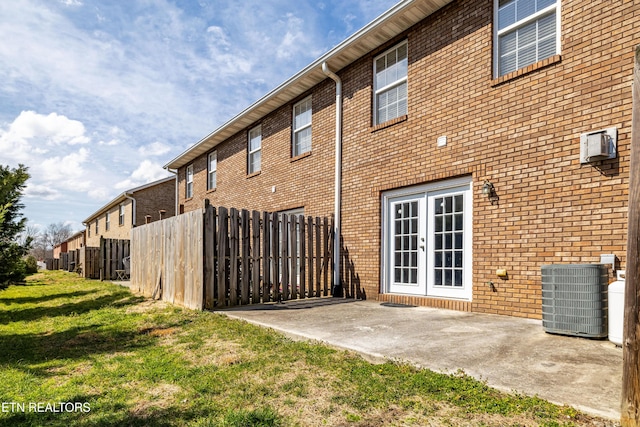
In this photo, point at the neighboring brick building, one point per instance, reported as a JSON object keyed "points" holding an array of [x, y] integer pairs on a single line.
{"points": [[76, 241], [442, 99], [59, 249], [149, 202]]}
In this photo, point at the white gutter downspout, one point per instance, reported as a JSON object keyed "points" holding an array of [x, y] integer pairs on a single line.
{"points": [[337, 286], [133, 208], [175, 208]]}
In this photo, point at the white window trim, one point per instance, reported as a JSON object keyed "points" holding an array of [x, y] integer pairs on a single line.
{"points": [[97, 229], [250, 153], [188, 191], [107, 222], [297, 130], [121, 213], [533, 17], [210, 171], [378, 90]]}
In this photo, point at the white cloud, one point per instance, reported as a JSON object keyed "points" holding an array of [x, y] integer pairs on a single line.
{"points": [[32, 134], [52, 129], [146, 172], [45, 192], [154, 149], [67, 170]]}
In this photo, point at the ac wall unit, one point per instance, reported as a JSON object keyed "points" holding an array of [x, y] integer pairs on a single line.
{"points": [[598, 145], [574, 299]]}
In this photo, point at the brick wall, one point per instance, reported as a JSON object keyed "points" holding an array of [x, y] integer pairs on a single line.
{"points": [[150, 201], [521, 132], [116, 230], [283, 182]]}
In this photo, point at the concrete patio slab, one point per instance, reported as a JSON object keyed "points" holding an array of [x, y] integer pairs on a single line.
{"points": [[510, 354]]}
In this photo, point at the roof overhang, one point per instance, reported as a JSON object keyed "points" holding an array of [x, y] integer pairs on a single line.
{"points": [[384, 28]]}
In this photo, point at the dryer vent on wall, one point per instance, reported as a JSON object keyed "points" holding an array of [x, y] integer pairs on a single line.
{"points": [[574, 299]]}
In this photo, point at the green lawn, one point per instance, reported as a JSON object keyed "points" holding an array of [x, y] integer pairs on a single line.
{"points": [[77, 352]]}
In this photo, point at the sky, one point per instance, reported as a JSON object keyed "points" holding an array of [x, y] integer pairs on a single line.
{"points": [[96, 96]]}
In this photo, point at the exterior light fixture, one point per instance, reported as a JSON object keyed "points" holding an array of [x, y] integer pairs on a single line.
{"points": [[489, 190]]}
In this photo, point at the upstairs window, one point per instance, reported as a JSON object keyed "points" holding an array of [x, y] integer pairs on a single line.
{"points": [[254, 150], [390, 84], [121, 215], [107, 223], [302, 127], [527, 32], [189, 182], [97, 227], [212, 170]]}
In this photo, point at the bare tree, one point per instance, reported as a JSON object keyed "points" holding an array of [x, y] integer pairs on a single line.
{"points": [[56, 233], [38, 247]]}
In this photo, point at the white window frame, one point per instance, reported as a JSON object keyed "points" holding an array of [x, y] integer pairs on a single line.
{"points": [[254, 134], [389, 86], [97, 229], [188, 191], [107, 223], [498, 33], [212, 170], [121, 214], [295, 150]]}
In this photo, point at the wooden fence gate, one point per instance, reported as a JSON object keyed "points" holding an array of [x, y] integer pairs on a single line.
{"points": [[219, 257]]}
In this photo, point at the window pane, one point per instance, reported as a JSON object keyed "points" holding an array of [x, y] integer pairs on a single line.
{"points": [[458, 259], [458, 278], [525, 8], [506, 14], [458, 222], [255, 140], [303, 142], [545, 3], [212, 180], [527, 35], [508, 63]]}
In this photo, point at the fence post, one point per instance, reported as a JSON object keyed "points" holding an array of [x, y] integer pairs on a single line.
{"points": [[303, 259], [233, 255], [325, 254], [285, 258], [310, 257], [208, 273], [255, 257], [275, 254], [293, 254], [245, 269], [318, 256], [223, 235], [266, 257]]}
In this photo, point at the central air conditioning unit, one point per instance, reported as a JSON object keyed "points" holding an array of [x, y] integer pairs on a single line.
{"points": [[574, 299]]}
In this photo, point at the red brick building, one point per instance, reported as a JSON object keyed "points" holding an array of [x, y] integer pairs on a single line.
{"points": [[476, 136]]}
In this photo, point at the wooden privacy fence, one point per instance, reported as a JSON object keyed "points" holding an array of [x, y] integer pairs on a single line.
{"points": [[219, 257], [90, 258], [112, 253], [167, 259]]}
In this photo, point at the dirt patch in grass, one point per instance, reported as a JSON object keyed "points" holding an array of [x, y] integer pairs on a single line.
{"points": [[150, 399], [146, 306]]}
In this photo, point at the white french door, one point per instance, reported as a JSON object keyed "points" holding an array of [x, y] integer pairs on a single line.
{"points": [[427, 240], [407, 245]]}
